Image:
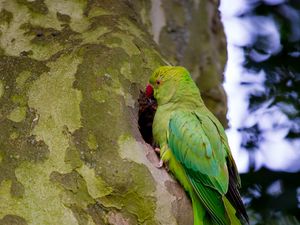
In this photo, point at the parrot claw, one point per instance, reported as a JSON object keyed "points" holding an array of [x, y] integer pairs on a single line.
{"points": [[160, 164]]}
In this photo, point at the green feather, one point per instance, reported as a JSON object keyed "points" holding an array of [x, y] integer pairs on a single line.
{"points": [[190, 144], [195, 147]]}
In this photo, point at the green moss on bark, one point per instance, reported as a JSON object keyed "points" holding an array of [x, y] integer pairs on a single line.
{"points": [[12, 219], [37, 6], [70, 74], [63, 17], [17, 144], [5, 16]]}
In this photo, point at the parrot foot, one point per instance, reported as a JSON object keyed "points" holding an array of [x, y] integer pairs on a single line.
{"points": [[160, 164]]}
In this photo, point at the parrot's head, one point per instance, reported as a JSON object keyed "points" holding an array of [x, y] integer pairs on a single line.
{"points": [[167, 83]]}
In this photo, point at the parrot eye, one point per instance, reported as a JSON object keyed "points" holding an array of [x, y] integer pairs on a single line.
{"points": [[157, 82]]}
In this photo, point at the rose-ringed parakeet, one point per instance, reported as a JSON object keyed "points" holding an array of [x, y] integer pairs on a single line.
{"points": [[194, 146]]}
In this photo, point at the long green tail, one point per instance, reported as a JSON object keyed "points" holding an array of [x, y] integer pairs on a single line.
{"points": [[230, 212], [198, 210], [202, 217]]}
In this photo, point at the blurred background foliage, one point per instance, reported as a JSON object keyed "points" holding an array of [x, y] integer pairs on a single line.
{"points": [[273, 195]]}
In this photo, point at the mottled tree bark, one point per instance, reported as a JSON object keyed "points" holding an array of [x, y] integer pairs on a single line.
{"points": [[190, 33], [70, 148]]}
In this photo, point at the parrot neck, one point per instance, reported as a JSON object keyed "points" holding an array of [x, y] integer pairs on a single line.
{"points": [[187, 94], [162, 116]]}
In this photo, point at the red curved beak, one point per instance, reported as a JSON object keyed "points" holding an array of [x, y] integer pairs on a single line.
{"points": [[149, 90]]}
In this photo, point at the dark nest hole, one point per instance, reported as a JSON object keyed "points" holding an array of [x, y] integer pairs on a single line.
{"points": [[147, 109]]}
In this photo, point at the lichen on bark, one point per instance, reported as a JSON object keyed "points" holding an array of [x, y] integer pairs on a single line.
{"points": [[70, 149]]}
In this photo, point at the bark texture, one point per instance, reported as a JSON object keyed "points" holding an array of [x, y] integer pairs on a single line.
{"points": [[190, 33], [70, 149]]}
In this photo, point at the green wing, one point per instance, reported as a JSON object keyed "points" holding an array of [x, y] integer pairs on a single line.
{"points": [[233, 194], [196, 144]]}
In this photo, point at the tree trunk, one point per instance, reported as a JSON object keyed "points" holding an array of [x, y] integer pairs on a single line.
{"points": [[70, 148], [191, 34]]}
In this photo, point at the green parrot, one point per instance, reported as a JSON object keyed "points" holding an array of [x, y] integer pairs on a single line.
{"points": [[194, 146]]}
